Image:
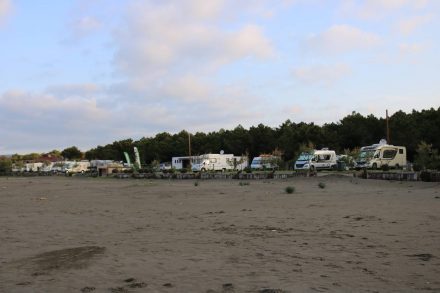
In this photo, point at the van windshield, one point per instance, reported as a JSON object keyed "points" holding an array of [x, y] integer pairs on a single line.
{"points": [[364, 155], [305, 157], [256, 161]]}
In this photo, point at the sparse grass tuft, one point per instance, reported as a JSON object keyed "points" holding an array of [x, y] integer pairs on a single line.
{"points": [[321, 185], [196, 183], [290, 189], [244, 183]]}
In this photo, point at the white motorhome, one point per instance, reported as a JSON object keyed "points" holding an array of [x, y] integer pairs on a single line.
{"points": [[317, 160], [265, 162], [381, 154], [219, 162], [76, 167]]}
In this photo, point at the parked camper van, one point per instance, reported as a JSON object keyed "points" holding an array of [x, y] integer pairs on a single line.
{"points": [[219, 162], [76, 167], [265, 162], [317, 160], [381, 154], [165, 166]]}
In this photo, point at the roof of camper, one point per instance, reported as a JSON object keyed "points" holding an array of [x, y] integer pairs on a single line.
{"points": [[323, 151]]}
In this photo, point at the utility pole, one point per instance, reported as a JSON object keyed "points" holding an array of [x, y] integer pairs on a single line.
{"points": [[388, 129], [189, 149]]}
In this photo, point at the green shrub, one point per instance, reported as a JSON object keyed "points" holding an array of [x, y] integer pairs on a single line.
{"points": [[244, 183], [247, 170], [425, 176], [321, 185], [5, 166], [290, 189], [427, 157], [196, 183]]}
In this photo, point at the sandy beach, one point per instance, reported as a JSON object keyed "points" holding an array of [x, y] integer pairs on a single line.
{"points": [[61, 234]]}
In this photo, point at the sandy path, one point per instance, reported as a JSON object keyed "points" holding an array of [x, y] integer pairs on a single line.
{"points": [[93, 235]]}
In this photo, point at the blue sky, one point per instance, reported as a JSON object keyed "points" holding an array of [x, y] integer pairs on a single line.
{"points": [[88, 72]]}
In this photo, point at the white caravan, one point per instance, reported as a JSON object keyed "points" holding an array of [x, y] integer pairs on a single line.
{"points": [[264, 162], [381, 154], [76, 167], [317, 160], [219, 162]]}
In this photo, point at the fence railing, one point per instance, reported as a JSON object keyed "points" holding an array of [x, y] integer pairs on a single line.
{"points": [[399, 176]]}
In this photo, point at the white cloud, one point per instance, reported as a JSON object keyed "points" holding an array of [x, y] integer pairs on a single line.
{"points": [[204, 9], [409, 25], [47, 108], [411, 48], [168, 53], [340, 39], [378, 9], [85, 25], [323, 75], [78, 90], [159, 40], [88, 115], [403, 53], [5, 9]]}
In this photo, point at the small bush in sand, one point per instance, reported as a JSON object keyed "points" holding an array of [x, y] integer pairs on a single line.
{"points": [[196, 183], [290, 189], [321, 185], [244, 183]]}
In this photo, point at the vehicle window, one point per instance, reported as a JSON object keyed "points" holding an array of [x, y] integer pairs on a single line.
{"points": [[213, 161], [400, 151], [389, 154]]}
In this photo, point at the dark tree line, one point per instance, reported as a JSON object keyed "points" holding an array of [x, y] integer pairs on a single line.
{"points": [[353, 131]]}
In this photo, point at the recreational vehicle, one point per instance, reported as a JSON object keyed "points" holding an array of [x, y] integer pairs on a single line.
{"points": [[165, 166], [317, 160], [265, 162], [219, 162], [76, 167], [381, 154]]}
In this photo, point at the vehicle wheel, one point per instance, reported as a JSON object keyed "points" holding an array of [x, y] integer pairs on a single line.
{"points": [[223, 170], [312, 168], [374, 167], [397, 166]]}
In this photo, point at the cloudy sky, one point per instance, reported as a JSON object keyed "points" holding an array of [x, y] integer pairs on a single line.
{"points": [[88, 72]]}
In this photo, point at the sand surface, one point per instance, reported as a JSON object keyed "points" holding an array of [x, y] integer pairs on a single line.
{"points": [[60, 234]]}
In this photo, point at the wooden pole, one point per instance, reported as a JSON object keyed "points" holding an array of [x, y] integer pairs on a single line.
{"points": [[388, 129], [189, 149]]}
